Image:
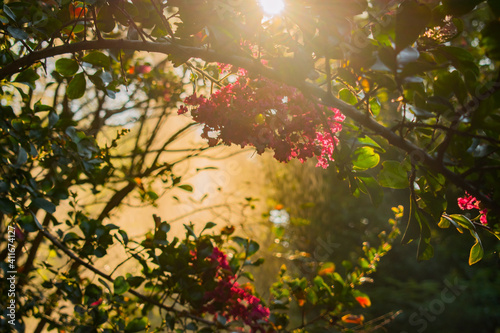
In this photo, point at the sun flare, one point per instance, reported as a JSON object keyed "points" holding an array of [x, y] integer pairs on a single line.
{"points": [[272, 7]]}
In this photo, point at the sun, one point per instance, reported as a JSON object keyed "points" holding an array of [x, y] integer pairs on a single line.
{"points": [[272, 7]]}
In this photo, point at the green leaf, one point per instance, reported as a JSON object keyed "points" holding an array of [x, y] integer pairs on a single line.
{"points": [[412, 228], [93, 291], [463, 221], [347, 96], [187, 188], [393, 175], [44, 204], [190, 231], [98, 59], [460, 7], [375, 106], [191, 327], [124, 235], [444, 223], [137, 325], [83, 329], [425, 249], [243, 242], [67, 67], [70, 236], [367, 141], [170, 320], [106, 22], [121, 286], [311, 296], [135, 281], [53, 119], [321, 284], [178, 58], [152, 195], [248, 275], [458, 86], [491, 41], [28, 77], [7, 206], [253, 247], [411, 20], [365, 158], [369, 185], [22, 157], [257, 262], [77, 86], [450, 220], [17, 33], [477, 251], [209, 225], [9, 13]]}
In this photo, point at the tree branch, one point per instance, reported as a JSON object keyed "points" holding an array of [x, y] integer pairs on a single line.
{"points": [[144, 298], [255, 66]]}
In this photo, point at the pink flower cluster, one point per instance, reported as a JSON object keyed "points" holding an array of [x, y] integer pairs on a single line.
{"points": [[469, 202], [232, 301], [267, 115]]}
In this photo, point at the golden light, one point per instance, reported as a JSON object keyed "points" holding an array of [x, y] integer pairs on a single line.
{"points": [[272, 7]]}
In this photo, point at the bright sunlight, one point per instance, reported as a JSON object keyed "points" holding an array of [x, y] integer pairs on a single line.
{"points": [[272, 7]]}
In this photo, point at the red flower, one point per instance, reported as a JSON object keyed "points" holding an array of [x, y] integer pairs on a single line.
{"points": [[96, 303], [469, 202], [231, 300], [267, 115]]}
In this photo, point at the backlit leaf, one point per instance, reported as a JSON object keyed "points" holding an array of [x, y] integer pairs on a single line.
{"points": [[77, 86], [67, 67], [393, 175]]}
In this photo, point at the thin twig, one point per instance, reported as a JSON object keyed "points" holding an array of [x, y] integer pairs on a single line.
{"points": [[69, 253]]}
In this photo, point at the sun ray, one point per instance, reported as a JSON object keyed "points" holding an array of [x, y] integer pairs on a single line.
{"points": [[272, 7]]}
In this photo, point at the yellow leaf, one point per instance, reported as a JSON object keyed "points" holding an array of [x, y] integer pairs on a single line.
{"points": [[353, 319]]}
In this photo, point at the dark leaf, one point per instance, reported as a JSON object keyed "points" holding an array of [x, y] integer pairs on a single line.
{"points": [[98, 59], [121, 286], [9, 13], [44, 204], [28, 77], [7, 206], [137, 325], [77, 86], [411, 21], [17, 33], [393, 175], [22, 157], [187, 188]]}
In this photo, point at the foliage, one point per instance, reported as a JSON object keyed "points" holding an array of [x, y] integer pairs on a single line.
{"points": [[444, 294], [415, 80]]}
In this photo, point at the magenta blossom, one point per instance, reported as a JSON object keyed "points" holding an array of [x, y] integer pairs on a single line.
{"points": [[469, 202], [231, 300], [266, 114]]}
